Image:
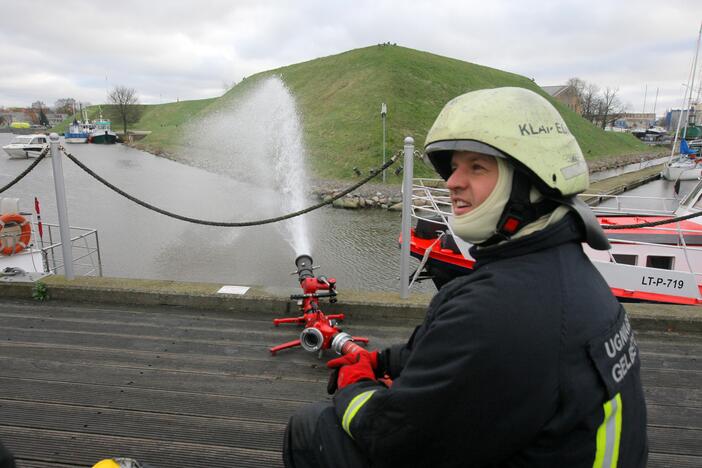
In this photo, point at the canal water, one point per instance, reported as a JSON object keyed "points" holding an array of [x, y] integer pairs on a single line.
{"points": [[357, 247]]}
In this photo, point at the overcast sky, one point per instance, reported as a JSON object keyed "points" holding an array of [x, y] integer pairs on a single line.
{"points": [[170, 49]]}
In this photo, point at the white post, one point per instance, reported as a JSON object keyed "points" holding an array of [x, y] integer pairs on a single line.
{"points": [[64, 227], [406, 218], [383, 113]]}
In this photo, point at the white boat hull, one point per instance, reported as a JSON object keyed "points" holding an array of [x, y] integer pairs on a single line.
{"points": [[22, 152], [639, 279], [682, 169], [77, 139], [30, 261]]}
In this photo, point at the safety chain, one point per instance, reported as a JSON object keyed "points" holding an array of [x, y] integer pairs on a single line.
{"points": [[41, 156], [373, 173]]}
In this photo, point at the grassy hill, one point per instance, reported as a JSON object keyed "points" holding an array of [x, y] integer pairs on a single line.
{"points": [[339, 99]]}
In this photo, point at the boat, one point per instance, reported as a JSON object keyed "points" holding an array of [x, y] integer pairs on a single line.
{"points": [[686, 166], [78, 132], [650, 134], [29, 250], [661, 264], [102, 133], [26, 146], [19, 255]]}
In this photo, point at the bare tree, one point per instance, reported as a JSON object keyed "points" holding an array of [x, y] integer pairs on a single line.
{"points": [[126, 104], [590, 102], [610, 107], [65, 105]]}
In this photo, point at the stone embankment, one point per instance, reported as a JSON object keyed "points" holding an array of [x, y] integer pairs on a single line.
{"points": [[389, 197]]}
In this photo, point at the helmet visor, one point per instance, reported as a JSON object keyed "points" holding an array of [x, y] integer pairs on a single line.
{"points": [[438, 154]]}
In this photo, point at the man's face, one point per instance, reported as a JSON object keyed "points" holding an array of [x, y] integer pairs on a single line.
{"points": [[473, 178]]}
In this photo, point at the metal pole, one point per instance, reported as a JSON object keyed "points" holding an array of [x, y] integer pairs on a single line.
{"points": [[64, 228], [384, 148], [406, 220], [383, 114]]}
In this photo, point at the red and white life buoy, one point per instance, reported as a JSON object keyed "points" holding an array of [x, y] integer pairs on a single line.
{"points": [[13, 219]]}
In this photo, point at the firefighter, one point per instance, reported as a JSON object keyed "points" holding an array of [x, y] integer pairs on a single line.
{"points": [[527, 361], [6, 458]]}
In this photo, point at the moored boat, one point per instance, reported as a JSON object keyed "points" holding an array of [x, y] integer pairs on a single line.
{"points": [[78, 132], [661, 263], [102, 133], [26, 146], [686, 166], [29, 250]]}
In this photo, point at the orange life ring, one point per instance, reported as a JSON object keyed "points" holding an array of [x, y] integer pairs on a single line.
{"points": [[24, 237]]}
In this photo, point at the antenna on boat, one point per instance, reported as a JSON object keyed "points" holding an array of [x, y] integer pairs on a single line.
{"points": [[688, 88]]}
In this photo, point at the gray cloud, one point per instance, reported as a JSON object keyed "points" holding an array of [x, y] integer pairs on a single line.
{"points": [[171, 50]]}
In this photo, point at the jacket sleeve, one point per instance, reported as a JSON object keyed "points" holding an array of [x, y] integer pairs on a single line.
{"points": [[469, 372], [394, 358]]}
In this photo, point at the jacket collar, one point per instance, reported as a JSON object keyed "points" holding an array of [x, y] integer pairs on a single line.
{"points": [[566, 230]]}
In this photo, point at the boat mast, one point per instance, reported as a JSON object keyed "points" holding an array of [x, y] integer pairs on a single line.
{"points": [[690, 80]]}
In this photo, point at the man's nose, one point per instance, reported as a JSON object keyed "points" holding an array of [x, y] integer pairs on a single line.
{"points": [[454, 182]]}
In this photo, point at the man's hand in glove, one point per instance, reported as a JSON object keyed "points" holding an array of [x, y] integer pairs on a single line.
{"points": [[350, 368]]}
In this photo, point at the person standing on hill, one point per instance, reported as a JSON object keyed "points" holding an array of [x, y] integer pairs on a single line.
{"points": [[527, 361]]}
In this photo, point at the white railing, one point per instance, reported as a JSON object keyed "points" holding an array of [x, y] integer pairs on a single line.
{"points": [[85, 243], [629, 204], [86, 250]]}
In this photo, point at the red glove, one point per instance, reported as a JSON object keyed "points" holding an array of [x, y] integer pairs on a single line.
{"points": [[350, 368]]}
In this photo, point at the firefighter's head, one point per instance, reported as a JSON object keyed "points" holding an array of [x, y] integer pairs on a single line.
{"points": [[508, 159]]}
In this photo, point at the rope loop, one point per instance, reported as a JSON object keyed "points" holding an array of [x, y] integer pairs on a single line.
{"points": [[373, 173], [41, 156]]}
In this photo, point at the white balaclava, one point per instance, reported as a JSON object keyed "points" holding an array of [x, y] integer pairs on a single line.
{"points": [[479, 225]]}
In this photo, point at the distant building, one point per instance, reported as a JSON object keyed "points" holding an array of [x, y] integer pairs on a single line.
{"points": [[55, 118], [673, 115], [565, 94], [635, 120]]}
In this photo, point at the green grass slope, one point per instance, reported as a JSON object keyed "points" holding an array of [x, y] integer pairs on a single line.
{"points": [[340, 96], [339, 99]]}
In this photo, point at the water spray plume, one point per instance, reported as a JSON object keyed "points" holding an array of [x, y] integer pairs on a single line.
{"points": [[258, 140]]}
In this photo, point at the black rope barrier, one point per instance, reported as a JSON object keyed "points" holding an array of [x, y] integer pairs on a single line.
{"points": [[41, 156], [373, 174], [653, 223], [350, 189]]}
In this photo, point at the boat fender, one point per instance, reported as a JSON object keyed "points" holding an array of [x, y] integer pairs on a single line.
{"points": [[8, 248]]}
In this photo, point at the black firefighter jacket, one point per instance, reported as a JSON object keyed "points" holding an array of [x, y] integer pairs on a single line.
{"points": [[527, 361]]}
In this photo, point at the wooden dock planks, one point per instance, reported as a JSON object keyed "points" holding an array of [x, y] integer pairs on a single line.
{"points": [[175, 387]]}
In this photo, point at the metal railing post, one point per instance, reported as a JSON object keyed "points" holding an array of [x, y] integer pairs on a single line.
{"points": [[64, 227], [406, 218]]}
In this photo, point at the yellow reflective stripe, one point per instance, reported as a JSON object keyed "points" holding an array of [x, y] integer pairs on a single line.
{"points": [[351, 410], [609, 434]]}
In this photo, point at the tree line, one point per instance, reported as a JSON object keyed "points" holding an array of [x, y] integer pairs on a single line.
{"points": [[601, 107], [124, 107]]}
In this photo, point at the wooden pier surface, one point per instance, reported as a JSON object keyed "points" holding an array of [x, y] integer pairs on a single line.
{"points": [[177, 387]]}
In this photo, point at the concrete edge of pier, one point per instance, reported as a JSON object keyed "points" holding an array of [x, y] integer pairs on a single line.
{"points": [[268, 303]]}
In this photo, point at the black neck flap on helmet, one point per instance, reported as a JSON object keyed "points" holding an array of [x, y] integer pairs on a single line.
{"points": [[520, 211]]}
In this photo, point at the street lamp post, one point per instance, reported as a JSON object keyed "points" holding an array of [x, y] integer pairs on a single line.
{"points": [[383, 113]]}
